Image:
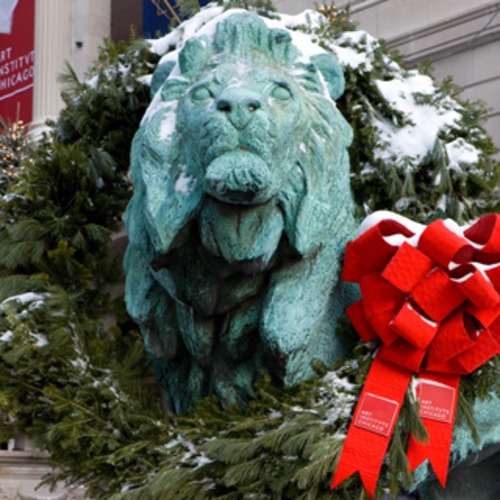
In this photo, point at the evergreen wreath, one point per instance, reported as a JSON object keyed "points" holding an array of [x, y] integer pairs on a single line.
{"points": [[72, 367]]}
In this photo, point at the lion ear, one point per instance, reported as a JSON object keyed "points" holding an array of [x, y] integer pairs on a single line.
{"points": [[162, 72], [194, 55], [332, 72]]}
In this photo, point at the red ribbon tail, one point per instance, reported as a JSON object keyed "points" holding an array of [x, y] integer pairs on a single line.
{"points": [[373, 423], [366, 460], [437, 448]]}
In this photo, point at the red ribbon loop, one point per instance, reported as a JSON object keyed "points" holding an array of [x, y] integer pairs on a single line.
{"points": [[437, 295], [486, 232], [443, 245], [436, 311], [475, 286], [372, 241]]}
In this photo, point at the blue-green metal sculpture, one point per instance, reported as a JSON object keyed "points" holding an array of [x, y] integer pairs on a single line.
{"points": [[241, 211]]}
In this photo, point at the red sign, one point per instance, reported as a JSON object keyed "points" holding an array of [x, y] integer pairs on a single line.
{"points": [[376, 414], [436, 400], [17, 59]]}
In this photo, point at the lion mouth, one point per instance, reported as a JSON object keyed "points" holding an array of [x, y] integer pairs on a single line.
{"points": [[240, 178]]}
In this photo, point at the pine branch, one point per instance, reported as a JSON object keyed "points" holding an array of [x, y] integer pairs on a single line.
{"points": [[465, 413]]}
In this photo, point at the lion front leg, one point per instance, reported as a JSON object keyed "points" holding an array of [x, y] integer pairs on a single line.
{"points": [[300, 313]]}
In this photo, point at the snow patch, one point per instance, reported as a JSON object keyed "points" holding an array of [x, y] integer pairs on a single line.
{"points": [[6, 336], [36, 299], [184, 182], [417, 138], [348, 56], [41, 340], [168, 123], [355, 48], [459, 151]]}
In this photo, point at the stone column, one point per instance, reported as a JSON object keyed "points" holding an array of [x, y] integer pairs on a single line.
{"points": [[91, 23], [65, 30], [52, 49]]}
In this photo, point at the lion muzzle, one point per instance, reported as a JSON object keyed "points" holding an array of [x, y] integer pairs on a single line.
{"points": [[240, 178]]}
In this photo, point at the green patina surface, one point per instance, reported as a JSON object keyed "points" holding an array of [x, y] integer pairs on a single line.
{"points": [[240, 214]]}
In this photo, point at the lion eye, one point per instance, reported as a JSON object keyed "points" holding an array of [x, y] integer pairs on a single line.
{"points": [[281, 93], [201, 94]]}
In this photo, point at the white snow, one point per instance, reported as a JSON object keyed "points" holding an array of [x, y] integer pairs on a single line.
{"points": [[376, 217], [416, 139], [308, 17], [171, 56], [348, 56], [299, 409], [275, 414], [459, 151], [92, 83], [355, 48], [359, 37], [333, 380], [6, 336], [184, 182], [302, 41], [168, 123], [337, 390], [79, 364], [41, 340], [156, 105], [8, 197], [26, 298], [208, 28], [202, 460], [145, 79]]}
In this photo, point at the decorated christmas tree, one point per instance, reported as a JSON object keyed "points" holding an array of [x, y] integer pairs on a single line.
{"points": [[73, 372], [13, 150]]}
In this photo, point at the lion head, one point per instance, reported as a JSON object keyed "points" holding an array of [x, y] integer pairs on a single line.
{"points": [[240, 211]]}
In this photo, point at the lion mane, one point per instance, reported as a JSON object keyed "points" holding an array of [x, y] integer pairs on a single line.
{"points": [[240, 213]]}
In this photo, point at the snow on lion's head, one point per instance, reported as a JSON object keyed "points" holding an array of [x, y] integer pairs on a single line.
{"points": [[240, 163]]}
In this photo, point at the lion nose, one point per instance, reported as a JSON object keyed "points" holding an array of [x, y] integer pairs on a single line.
{"points": [[239, 105]]}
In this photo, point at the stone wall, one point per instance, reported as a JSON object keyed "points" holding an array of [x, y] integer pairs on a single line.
{"points": [[20, 475], [65, 31]]}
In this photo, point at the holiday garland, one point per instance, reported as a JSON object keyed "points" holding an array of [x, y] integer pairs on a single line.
{"points": [[77, 386]]}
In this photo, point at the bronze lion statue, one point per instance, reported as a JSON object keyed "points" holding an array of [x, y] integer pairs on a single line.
{"points": [[241, 211]]}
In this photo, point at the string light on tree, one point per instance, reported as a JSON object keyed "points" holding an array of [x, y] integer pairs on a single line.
{"points": [[13, 150]]}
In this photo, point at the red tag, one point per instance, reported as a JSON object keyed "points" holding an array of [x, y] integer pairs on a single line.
{"points": [[376, 414], [436, 400]]}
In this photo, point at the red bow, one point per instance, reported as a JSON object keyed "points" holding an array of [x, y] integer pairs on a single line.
{"points": [[431, 295]]}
